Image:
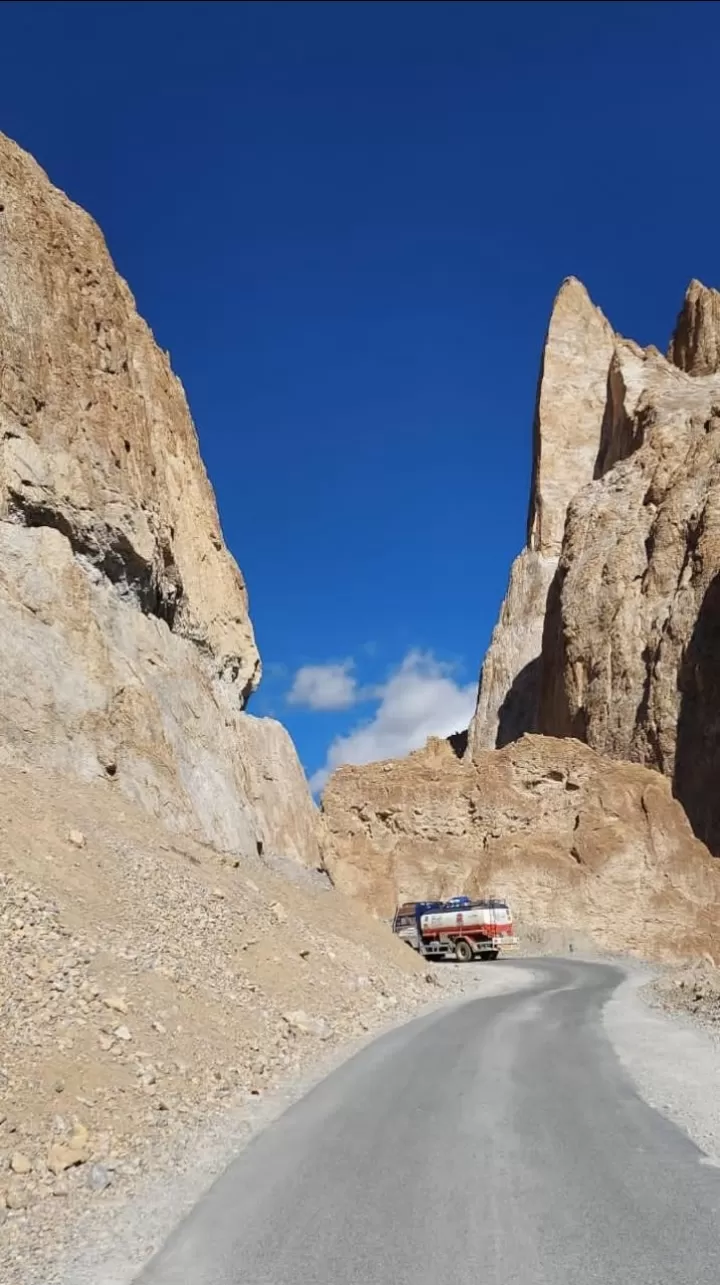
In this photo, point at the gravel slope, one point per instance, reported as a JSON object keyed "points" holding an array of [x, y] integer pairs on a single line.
{"points": [[149, 987]]}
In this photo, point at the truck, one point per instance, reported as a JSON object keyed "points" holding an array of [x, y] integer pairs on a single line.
{"points": [[461, 928]]}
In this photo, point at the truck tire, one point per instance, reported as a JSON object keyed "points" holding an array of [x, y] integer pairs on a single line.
{"points": [[463, 951], [491, 954]]}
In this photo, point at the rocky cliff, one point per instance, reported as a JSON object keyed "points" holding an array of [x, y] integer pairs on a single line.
{"points": [[695, 345], [589, 851], [570, 406], [608, 630], [629, 659], [128, 651]]}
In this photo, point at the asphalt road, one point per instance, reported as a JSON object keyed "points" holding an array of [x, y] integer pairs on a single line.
{"points": [[497, 1141]]}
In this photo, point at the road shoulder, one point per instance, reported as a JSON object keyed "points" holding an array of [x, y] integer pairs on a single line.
{"points": [[673, 1061]]}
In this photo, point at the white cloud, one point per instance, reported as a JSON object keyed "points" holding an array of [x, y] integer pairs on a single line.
{"points": [[420, 699], [330, 686]]}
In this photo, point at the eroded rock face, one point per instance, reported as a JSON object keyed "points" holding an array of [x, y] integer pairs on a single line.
{"points": [[695, 345], [629, 658], [629, 619], [97, 439], [128, 651], [582, 846], [571, 399]]}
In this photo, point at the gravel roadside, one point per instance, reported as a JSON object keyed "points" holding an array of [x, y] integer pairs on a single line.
{"points": [[141, 1225], [674, 1059]]}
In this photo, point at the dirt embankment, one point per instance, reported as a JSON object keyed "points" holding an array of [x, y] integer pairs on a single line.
{"points": [[147, 984]]}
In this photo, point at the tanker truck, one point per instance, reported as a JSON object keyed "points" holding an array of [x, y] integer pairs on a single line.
{"points": [[460, 928]]}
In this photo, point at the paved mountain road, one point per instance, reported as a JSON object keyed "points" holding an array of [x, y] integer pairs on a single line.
{"points": [[496, 1141]]}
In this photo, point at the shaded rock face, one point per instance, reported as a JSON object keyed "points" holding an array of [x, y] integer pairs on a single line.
{"points": [[570, 407], [128, 651], [509, 692], [579, 844]]}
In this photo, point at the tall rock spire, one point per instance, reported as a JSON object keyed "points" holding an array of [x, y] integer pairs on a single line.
{"points": [[570, 405], [571, 396]]}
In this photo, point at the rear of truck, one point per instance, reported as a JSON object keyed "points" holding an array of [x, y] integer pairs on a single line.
{"points": [[460, 928]]}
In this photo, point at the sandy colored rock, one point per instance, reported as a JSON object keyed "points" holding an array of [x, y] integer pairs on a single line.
{"points": [[630, 643], [300, 1024], [128, 651], [695, 345], [632, 612], [595, 851], [62, 1156], [116, 1003], [98, 442], [572, 391], [570, 405], [20, 1163]]}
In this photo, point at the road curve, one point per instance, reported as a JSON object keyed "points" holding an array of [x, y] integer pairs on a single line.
{"points": [[495, 1141]]}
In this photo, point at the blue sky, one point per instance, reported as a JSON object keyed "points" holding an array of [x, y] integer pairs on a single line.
{"points": [[347, 223]]}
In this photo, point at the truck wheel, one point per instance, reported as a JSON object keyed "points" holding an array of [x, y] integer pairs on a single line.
{"points": [[463, 951], [491, 954]]}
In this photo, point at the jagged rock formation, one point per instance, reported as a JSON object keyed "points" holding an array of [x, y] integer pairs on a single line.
{"points": [[630, 652], [128, 651], [588, 850], [695, 345], [608, 630], [571, 397]]}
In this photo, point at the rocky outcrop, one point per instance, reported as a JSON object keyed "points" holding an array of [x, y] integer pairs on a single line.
{"points": [[695, 345], [624, 533], [630, 643], [571, 399], [588, 850], [97, 438], [128, 651]]}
